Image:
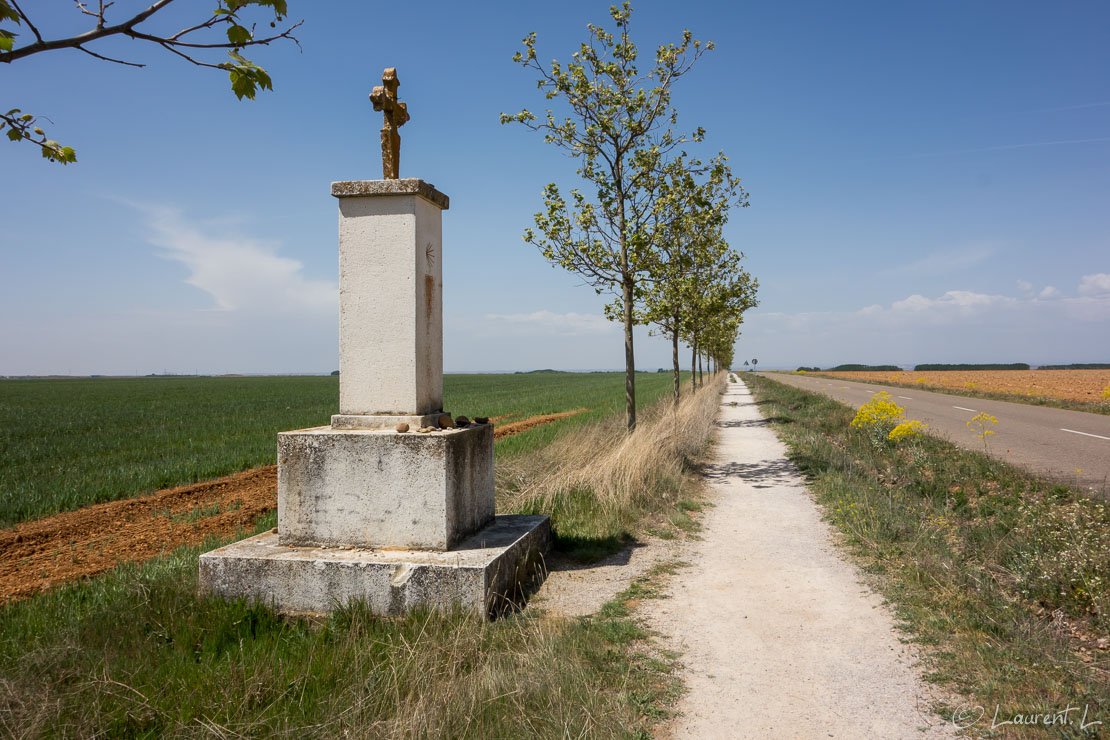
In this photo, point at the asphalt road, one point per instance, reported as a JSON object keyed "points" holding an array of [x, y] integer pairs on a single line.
{"points": [[1054, 443]]}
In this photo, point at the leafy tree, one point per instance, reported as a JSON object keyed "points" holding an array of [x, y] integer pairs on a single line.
{"points": [[724, 291], [189, 43], [618, 125], [693, 253]]}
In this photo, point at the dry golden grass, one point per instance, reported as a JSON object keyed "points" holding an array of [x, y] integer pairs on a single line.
{"points": [[599, 482]]}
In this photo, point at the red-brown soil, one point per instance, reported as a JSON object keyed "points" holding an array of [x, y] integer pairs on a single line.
{"points": [[45, 552], [1065, 385], [516, 427], [77, 544]]}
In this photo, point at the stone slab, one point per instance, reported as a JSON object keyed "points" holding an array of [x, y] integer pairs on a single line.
{"points": [[390, 304], [485, 573], [381, 421], [381, 488], [406, 186]]}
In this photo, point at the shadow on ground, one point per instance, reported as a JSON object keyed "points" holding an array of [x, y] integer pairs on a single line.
{"points": [[560, 559], [753, 423], [762, 474], [585, 552]]}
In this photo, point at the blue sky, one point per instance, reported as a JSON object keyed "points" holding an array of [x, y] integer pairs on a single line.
{"points": [[929, 183]]}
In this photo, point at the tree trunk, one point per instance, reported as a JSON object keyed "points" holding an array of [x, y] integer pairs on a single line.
{"points": [[674, 360], [629, 357], [701, 371], [694, 362]]}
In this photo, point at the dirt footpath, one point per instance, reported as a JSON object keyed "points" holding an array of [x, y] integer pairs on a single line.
{"points": [[779, 637]]}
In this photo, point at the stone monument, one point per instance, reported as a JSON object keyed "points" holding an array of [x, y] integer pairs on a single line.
{"points": [[393, 503]]}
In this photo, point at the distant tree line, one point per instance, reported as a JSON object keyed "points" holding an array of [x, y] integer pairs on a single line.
{"points": [[935, 366], [851, 367], [1078, 366], [970, 366]]}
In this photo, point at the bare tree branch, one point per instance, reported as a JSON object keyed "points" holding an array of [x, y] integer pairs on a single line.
{"points": [[74, 41], [26, 20], [129, 28], [109, 59]]}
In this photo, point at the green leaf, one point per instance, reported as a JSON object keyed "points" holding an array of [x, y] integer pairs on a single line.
{"points": [[242, 84], [246, 76], [7, 12], [6, 40], [15, 134], [236, 34]]}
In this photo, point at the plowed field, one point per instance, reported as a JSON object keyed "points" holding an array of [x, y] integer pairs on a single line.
{"points": [[1065, 385]]}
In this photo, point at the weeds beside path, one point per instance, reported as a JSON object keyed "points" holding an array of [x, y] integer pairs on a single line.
{"points": [[1004, 576]]}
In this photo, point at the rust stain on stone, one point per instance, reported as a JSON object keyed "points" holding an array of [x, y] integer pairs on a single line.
{"points": [[429, 297]]}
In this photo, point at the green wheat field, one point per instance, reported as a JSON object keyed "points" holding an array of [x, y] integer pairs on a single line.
{"points": [[68, 443]]}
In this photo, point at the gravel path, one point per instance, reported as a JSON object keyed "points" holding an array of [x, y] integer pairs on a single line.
{"points": [[779, 636]]}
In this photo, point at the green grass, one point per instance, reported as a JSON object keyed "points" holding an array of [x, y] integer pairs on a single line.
{"points": [[136, 654], [68, 443], [1002, 575]]}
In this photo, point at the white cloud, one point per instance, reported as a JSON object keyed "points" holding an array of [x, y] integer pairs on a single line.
{"points": [[548, 322], [1024, 287], [945, 261], [952, 306], [956, 326], [1048, 292], [240, 273], [1094, 285]]}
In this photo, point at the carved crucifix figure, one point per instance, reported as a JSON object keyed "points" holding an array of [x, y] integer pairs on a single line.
{"points": [[394, 113]]}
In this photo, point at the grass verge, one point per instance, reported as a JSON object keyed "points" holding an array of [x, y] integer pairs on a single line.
{"points": [[1004, 576], [135, 653]]}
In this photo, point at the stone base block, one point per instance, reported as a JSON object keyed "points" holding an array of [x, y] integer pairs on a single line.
{"points": [[485, 573], [378, 488], [381, 421]]}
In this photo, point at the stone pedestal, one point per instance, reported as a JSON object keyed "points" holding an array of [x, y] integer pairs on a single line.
{"points": [[373, 488], [486, 573], [396, 519]]}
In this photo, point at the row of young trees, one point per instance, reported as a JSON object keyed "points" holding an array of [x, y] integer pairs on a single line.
{"points": [[648, 229]]}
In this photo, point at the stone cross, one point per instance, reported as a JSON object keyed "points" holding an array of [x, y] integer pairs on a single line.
{"points": [[393, 504], [394, 115]]}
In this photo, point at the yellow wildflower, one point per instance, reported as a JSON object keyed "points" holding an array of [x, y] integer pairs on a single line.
{"points": [[978, 424], [879, 410], [905, 430]]}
